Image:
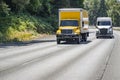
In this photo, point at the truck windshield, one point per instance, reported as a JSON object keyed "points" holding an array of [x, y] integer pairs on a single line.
{"points": [[100, 23], [69, 23]]}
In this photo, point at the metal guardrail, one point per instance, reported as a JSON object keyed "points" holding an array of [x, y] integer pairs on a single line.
{"points": [[116, 28]]}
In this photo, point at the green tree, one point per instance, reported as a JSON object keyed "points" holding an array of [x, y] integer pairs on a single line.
{"points": [[4, 10], [102, 9], [34, 6], [63, 3], [91, 6], [76, 3], [114, 11], [19, 5]]}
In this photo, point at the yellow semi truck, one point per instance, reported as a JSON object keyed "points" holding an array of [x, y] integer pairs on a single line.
{"points": [[73, 25]]}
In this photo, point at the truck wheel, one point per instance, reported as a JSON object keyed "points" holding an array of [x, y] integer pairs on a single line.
{"points": [[111, 37], [87, 34], [78, 40], [58, 41], [84, 37], [97, 37]]}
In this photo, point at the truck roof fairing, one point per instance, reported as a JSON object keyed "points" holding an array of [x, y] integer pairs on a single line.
{"points": [[71, 9], [104, 19]]}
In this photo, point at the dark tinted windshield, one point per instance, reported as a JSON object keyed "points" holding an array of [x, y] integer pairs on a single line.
{"points": [[69, 23], [104, 23]]}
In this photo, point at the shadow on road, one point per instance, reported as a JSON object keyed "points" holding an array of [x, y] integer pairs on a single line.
{"points": [[106, 37], [85, 42], [4, 45], [74, 43]]}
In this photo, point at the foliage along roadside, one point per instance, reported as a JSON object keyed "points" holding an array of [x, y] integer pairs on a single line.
{"points": [[22, 27]]}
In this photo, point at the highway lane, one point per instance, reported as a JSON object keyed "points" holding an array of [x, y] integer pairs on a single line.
{"points": [[112, 71], [45, 60]]}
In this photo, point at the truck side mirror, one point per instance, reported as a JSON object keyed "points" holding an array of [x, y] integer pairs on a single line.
{"points": [[96, 25]]}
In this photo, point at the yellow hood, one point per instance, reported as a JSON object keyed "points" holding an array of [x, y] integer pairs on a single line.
{"points": [[68, 27]]}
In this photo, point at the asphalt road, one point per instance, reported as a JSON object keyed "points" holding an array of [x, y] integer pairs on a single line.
{"points": [[43, 59]]}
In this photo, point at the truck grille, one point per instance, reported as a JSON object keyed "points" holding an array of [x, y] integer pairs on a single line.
{"points": [[66, 31], [103, 31]]}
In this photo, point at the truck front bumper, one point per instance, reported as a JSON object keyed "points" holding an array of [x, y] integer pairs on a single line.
{"points": [[104, 35], [64, 37]]}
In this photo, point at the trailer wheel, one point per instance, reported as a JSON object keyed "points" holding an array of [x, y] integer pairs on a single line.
{"points": [[97, 37], [78, 40], [58, 41], [111, 37], [84, 37]]}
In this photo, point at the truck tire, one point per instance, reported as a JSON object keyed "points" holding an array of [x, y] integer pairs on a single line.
{"points": [[97, 37], [84, 37], [58, 41], [87, 34], [111, 37], [78, 40]]}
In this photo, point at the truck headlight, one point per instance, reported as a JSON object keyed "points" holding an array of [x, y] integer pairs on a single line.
{"points": [[58, 32], [110, 29], [77, 32]]}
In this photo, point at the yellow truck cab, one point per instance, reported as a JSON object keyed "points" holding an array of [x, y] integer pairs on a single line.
{"points": [[73, 25]]}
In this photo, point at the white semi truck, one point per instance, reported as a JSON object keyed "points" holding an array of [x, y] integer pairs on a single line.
{"points": [[104, 27]]}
